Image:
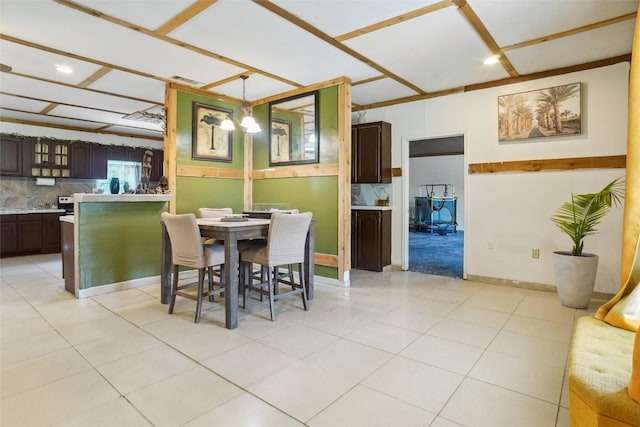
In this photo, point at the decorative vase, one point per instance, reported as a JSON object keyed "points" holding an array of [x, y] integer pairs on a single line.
{"points": [[575, 277], [114, 186]]}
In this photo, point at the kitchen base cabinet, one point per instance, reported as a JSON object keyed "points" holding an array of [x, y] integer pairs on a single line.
{"points": [[51, 239], [370, 239], [68, 266], [9, 234], [30, 233]]}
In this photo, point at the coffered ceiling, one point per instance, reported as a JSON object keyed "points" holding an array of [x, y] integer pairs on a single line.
{"points": [[122, 52]]}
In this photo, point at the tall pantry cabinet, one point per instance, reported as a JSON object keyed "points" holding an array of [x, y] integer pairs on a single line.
{"points": [[371, 227]]}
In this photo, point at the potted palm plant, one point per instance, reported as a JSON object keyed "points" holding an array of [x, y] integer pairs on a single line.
{"points": [[575, 270]]}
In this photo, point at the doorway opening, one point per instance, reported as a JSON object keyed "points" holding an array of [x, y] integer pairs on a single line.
{"points": [[435, 232]]}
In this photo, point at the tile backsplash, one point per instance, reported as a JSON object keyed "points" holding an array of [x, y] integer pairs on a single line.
{"points": [[367, 194], [23, 193]]}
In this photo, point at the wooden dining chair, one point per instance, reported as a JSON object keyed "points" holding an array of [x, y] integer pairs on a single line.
{"points": [[284, 246], [188, 250]]}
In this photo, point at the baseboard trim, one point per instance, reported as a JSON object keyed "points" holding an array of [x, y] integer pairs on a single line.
{"points": [[528, 285]]}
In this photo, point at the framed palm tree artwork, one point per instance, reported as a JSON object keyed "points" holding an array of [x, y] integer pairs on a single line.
{"points": [[209, 142], [540, 114], [280, 140]]}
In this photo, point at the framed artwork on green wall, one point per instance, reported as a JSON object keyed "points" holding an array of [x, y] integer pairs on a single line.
{"points": [[281, 140], [209, 142]]}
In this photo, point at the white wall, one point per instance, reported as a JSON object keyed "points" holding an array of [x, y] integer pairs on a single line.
{"points": [[510, 211], [438, 170]]}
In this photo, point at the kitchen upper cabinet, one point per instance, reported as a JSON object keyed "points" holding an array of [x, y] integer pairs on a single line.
{"points": [[88, 161], [11, 159], [50, 158], [158, 165], [370, 239], [371, 153], [99, 157], [81, 160]]}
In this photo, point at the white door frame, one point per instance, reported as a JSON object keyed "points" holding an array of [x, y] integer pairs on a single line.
{"points": [[406, 197]]}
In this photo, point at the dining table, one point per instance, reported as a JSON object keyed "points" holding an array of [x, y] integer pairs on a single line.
{"points": [[231, 232]]}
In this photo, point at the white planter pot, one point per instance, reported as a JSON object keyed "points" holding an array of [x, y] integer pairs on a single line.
{"points": [[575, 277]]}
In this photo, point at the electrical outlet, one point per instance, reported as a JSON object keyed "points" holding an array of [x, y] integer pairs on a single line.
{"points": [[490, 245], [535, 253]]}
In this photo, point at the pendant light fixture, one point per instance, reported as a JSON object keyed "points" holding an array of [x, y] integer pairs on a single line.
{"points": [[248, 123]]}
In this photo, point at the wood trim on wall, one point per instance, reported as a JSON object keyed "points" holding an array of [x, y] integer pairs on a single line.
{"points": [[344, 178], [599, 162], [298, 171], [209, 172], [326, 260], [169, 166]]}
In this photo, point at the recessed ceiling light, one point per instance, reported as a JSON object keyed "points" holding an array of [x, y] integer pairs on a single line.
{"points": [[65, 69], [491, 60]]}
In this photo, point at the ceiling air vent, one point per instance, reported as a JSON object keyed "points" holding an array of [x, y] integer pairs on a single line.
{"points": [[188, 81], [143, 116]]}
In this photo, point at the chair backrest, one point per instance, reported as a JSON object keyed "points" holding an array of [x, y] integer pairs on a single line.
{"points": [[186, 243], [287, 236], [214, 212]]}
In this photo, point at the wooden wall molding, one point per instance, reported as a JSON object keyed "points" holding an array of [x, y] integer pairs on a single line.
{"points": [[296, 171], [209, 172], [601, 162]]}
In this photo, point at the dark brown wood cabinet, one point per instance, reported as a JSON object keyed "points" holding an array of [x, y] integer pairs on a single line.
{"points": [[31, 233], [370, 239], [81, 160], [51, 238], [371, 153], [29, 238], [11, 159], [9, 234]]}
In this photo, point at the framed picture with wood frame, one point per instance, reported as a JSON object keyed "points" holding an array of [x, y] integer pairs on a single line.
{"points": [[209, 142], [280, 140], [539, 114]]}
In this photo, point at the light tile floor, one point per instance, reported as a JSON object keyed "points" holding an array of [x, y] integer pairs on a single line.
{"points": [[394, 349]]}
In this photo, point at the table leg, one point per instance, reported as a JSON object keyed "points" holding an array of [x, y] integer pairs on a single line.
{"points": [[165, 266], [231, 281], [309, 262]]}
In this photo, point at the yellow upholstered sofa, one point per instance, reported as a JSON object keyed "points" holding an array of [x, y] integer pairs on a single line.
{"points": [[604, 362], [600, 366]]}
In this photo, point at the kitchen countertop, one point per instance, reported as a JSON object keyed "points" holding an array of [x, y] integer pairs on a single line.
{"points": [[90, 197], [370, 208], [29, 211], [67, 218]]}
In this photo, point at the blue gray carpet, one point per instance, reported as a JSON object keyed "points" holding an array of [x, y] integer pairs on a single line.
{"points": [[436, 254]]}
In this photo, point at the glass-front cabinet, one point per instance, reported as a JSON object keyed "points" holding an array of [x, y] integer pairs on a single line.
{"points": [[50, 158]]}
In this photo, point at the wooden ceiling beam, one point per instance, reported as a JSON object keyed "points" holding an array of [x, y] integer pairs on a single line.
{"points": [[395, 20], [183, 17], [502, 82], [78, 129], [487, 38], [572, 32], [167, 39], [285, 14]]}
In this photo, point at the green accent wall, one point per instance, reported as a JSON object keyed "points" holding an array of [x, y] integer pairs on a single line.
{"points": [[316, 194], [208, 193], [118, 241], [198, 192]]}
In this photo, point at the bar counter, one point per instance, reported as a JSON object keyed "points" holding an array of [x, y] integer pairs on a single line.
{"points": [[112, 242]]}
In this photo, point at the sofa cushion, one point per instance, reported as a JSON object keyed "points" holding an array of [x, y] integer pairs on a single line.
{"points": [[600, 369], [634, 383]]}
